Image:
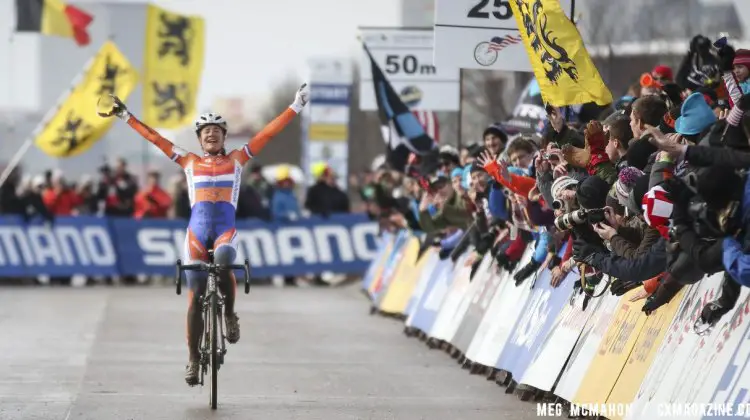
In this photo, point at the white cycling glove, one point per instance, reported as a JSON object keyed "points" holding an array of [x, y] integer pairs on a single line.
{"points": [[301, 98]]}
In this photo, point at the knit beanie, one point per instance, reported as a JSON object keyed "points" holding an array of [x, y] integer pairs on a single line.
{"points": [[657, 209], [625, 182], [560, 184], [742, 58]]}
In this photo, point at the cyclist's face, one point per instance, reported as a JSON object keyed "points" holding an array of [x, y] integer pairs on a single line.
{"points": [[212, 139]]}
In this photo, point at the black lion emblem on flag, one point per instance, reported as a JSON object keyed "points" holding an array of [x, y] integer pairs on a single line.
{"points": [[555, 59]]}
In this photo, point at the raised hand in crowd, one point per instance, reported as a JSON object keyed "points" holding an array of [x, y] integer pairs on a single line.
{"points": [[669, 143]]}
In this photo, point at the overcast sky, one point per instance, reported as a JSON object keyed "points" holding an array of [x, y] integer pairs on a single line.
{"points": [[252, 44]]}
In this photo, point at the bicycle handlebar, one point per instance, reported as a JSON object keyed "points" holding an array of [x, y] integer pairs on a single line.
{"points": [[201, 266]]}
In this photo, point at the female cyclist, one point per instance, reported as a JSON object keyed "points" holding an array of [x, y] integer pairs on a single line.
{"points": [[213, 186]]}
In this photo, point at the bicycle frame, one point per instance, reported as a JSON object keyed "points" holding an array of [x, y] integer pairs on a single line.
{"points": [[212, 346]]}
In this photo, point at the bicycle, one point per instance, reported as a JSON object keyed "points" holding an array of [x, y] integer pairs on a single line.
{"points": [[212, 350]]}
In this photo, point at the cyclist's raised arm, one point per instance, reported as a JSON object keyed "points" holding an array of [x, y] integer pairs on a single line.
{"points": [[259, 141], [173, 152]]}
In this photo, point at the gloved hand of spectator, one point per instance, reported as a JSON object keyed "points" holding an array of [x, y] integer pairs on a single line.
{"points": [[445, 253], [526, 271], [619, 287], [726, 58], [582, 250], [712, 313]]}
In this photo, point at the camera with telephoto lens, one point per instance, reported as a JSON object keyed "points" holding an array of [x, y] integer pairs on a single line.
{"points": [[575, 218]]}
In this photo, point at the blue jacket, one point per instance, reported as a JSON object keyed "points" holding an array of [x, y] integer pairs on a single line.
{"points": [[496, 201], [284, 205], [736, 261]]}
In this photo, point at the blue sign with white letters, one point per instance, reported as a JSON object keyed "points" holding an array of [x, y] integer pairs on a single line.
{"points": [[118, 246]]}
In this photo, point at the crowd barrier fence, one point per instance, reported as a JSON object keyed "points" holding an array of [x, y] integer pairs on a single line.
{"points": [[106, 246], [540, 336]]}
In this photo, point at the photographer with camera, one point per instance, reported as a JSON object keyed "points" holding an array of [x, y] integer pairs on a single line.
{"points": [[626, 230], [635, 270]]}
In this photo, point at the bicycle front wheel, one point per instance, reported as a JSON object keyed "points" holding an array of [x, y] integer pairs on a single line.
{"points": [[213, 323]]}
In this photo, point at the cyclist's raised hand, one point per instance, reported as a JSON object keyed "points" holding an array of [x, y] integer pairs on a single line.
{"points": [[110, 105], [301, 98]]}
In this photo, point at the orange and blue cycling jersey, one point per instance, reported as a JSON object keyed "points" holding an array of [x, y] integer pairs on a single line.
{"points": [[214, 183]]}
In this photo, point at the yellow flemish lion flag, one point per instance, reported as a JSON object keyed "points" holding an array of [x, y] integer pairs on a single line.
{"points": [[173, 67], [561, 64], [75, 126]]}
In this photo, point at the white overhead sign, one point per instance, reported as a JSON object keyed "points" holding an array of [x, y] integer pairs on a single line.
{"points": [[405, 57], [480, 34]]}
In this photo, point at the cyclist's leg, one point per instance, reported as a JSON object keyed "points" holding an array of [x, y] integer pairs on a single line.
{"points": [[225, 252], [195, 251]]}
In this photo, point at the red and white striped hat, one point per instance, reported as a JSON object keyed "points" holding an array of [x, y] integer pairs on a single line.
{"points": [[657, 209]]}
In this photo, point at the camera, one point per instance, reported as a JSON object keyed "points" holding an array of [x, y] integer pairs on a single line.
{"points": [[579, 217]]}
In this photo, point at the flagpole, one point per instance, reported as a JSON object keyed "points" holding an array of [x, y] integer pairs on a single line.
{"points": [[460, 106], [44, 122]]}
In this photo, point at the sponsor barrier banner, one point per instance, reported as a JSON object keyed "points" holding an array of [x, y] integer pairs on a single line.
{"points": [[502, 316], [427, 309], [550, 359], [431, 260], [405, 55], [375, 268], [608, 353], [403, 281], [534, 323], [390, 265], [112, 246], [451, 310], [587, 346], [613, 351], [644, 351], [486, 288]]}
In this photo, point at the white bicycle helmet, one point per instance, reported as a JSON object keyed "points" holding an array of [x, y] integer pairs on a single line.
{"points": [[210, 118]]}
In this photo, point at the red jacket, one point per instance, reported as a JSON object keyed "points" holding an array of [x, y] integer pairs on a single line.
{"points": [[152, 203], [61, 203]]}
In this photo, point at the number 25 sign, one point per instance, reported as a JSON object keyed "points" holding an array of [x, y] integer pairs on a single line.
{"points": [[479, 34]]}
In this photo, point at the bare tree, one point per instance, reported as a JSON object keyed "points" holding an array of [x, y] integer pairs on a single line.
{"points": [[286, 147]]}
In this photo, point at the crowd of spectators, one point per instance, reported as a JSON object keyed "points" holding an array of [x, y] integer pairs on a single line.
{"points": [[651, 190], [117, 192]]}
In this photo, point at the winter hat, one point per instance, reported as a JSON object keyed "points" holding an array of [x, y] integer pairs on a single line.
{"points": [[458, 172], [662, 71], [466, 177], [624, 185], [695, 116], [449, 153], [667, 123], [592, 192], [640, 188], [638, 153], [496, 130], [657, 209], [560, 184], [742, 58]]}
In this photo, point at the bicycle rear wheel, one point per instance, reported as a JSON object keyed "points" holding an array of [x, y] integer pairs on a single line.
{"points": [[213, 322]]}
